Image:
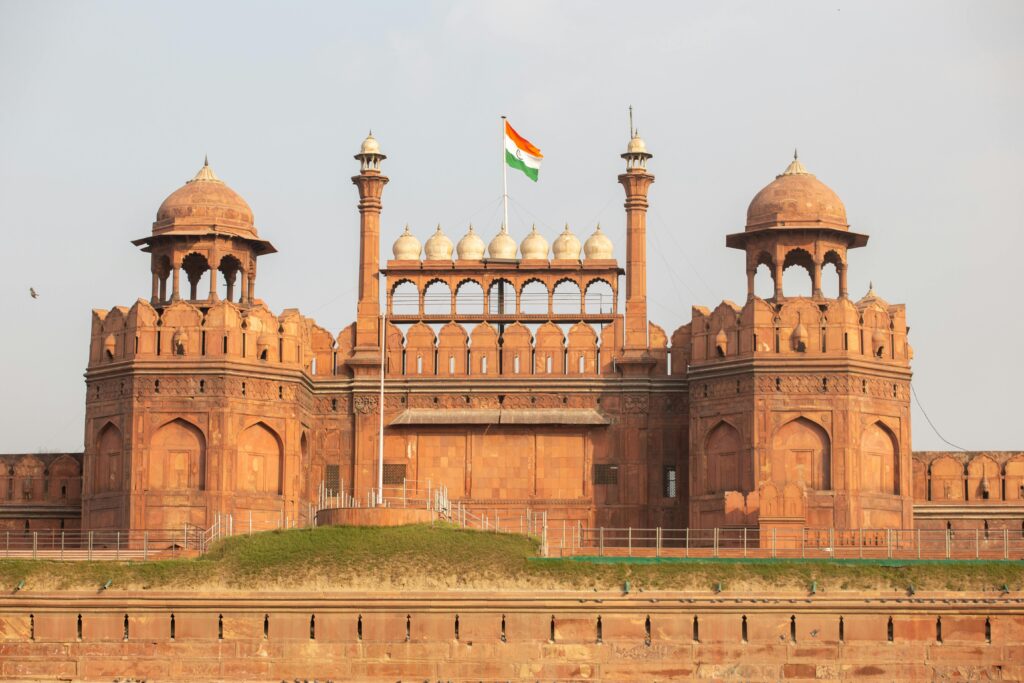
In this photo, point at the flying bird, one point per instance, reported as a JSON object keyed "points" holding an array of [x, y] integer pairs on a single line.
{"points": [[32, 291]]}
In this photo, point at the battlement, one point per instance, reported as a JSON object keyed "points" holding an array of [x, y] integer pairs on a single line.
{"points": [[798, 327]]}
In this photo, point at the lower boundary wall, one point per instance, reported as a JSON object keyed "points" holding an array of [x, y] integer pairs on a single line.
{"points": [[662, 636]]}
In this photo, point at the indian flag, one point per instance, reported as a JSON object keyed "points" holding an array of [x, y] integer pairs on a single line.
{"points": [[521, 153]]}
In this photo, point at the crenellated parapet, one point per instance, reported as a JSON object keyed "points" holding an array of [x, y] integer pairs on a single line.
{"points": [[870, 330]]}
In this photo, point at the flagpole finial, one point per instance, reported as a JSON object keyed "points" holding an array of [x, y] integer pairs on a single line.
{"points": [[206, 160], [795, 155], [632, 132]]}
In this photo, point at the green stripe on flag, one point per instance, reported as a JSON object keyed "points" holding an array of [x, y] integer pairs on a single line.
{"points": [[512, 161]]}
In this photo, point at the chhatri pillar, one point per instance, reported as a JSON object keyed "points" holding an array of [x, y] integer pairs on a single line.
{"points": [[370, 183], [636, 181]]}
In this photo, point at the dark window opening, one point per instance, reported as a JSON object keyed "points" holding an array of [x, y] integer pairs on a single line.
{"points": [[647, 630], [79, 627], [792, 629], [220, 627], [456, 627], [126, 627], [888, 630], [266, 626], [31, 627], [551, 637], [606, 474], [669, 482], [312, 627], [359, 627], [503, 639], [743, 629], [938, 630], [333, 479], [600, 630], [172, 625], [408, 628], [988, 630], [394, 474], [842, 630], [696, 630]]}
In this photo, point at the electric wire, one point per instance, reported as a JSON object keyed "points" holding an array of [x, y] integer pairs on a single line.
{"points": [[930, 423]]}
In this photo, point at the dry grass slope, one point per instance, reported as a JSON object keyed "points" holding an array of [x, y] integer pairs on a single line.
{"points": [[424, 557]]}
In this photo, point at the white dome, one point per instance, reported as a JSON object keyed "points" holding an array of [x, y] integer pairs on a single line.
{"points": [[471, 247], [406, 247], [598, 246], [567, 246], [370, 145], [502, 246], [439, 247], [534, 246]]}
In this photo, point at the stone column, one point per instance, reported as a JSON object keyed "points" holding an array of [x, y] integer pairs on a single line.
{"points": [[176, 289], [636, 181], [156, 289], [370, 183], [816, 279], [842, 281]]}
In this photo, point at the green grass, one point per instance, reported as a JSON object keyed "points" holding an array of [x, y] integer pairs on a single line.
{"points": [[423, 557]]}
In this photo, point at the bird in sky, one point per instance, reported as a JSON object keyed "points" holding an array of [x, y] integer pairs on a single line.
{"points": [[33, 292]]}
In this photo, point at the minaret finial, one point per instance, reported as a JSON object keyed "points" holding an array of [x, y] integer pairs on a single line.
{"points": [[795, 155], [206, 160]]}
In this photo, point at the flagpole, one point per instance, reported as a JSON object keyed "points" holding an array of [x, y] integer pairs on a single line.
{"points": [[504, 175]]}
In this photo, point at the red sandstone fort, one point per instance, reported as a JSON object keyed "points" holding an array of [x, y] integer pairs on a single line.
{"points": [[515, 376]]}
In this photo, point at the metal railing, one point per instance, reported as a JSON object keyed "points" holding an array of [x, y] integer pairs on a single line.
{"points": [[101, 545], [778, 542]]}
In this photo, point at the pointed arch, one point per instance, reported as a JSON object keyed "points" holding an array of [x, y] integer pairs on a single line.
{"points": [[107, 467], [724, 470], [801, 452], [260, 463], [177, 457], [879, 459]]}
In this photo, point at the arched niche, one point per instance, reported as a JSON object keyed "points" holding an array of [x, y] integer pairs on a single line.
{"points": [[260, 460], [879, 460], [983, 480], [801, 453], [107, 463], [1013, 473], [723, 448], [177, 458], [946, 479]]}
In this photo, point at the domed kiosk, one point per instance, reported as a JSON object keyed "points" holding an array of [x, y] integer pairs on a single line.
{"points": [[796, 220], [204, 227]]}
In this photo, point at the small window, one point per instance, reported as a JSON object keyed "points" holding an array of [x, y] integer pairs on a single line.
{"points": [[333, 479], [483, 365], [606, 474], [669, 481], [394, 474]]}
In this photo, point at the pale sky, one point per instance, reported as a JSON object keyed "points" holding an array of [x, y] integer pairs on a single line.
{"points": [[911, 112]]}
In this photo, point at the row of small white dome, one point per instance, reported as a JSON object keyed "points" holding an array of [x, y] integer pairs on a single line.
{"points": [[471, 247]]}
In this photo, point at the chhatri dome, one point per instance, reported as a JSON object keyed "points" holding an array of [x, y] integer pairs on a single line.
{"points": [[202, 203], [534, 246], [406, 247], [502, 246], [796, 198], [471, 247], [439, 247], [598, 246], [567, 246]]}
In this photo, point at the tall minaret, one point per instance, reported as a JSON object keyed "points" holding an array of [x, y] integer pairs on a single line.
{"points": [[636, 181], [370, 183]]}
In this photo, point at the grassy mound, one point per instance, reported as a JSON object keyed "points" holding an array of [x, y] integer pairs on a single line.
{"points": [[424, 557]]}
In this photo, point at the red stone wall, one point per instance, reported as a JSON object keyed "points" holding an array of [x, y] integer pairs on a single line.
{"points": [[561, 637]]}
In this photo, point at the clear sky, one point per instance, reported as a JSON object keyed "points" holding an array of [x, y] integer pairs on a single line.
{"points": [[912, 111]]}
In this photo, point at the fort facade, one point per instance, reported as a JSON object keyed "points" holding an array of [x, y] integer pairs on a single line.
{"points": [[515, 375]]}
